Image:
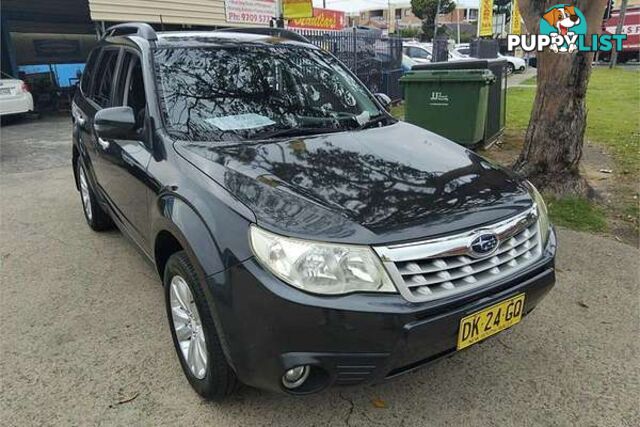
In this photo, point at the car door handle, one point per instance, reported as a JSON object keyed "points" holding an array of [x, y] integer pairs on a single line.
{"points": [[104, 144]]}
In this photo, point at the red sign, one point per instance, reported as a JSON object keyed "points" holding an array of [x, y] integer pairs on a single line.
{"points": [[631, 27], [323, 19]]}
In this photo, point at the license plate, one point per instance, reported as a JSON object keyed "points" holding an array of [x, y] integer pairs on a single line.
{"points": [[5, 91], [478, 326]]}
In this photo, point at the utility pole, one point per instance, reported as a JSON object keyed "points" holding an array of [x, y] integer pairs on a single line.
{"points": [[435, 23], [458, 23], [621, 16]]}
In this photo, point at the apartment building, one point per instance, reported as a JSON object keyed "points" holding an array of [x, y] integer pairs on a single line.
{"points": [[397, 14]]}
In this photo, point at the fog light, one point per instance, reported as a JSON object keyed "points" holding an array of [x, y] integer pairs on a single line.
{"points": [[295, 377]]}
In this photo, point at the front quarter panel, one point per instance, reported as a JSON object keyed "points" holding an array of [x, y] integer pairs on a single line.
{"points": [[195, 210]]}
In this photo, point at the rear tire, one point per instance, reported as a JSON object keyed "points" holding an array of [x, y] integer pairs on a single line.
{"points": [[193, 330], [96, 217], [510, 69]]}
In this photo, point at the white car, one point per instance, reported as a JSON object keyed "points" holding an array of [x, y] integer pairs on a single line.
{"points": [[420, 53], [407, 63], [514, 64], [15, 97]]}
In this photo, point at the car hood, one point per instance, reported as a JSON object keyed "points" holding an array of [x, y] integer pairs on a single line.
{"points": [[390, 184]]}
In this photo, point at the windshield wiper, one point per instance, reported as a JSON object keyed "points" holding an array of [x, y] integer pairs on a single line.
{"points": [[295, 132], [374, 121]]}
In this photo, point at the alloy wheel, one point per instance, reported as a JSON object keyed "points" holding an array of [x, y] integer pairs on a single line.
{"points": [[188, 327], [84, 192]]}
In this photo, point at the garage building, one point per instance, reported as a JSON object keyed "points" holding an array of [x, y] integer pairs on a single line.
{"points": [[46, 43]]}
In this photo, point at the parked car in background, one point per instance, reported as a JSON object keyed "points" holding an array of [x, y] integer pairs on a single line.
{"points": [[407, 63], [15, 97], [421, 53], [417, 51], [514, 64], [304, 237], [458, 56]]}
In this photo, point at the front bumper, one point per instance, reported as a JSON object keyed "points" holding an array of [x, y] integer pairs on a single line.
{"points": [[267, 327]]}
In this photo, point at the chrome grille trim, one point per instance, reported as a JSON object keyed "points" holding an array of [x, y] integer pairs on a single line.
{"points": [[442, 267]]}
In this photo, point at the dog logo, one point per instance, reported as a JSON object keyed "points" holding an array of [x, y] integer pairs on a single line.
{"points": [[563, 24], [563, 29]]}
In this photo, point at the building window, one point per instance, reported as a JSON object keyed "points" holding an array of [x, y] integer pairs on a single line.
{"points": [[471, 14], [398, 13]]}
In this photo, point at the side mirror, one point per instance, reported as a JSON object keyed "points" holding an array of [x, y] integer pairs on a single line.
{"points": [[384, 100], [114, 123]]}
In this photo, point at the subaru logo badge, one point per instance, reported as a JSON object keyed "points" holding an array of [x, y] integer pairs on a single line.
{"points": [[483, 245]]}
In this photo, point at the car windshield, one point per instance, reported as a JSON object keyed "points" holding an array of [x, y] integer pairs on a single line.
{"points": [[258, 92]]}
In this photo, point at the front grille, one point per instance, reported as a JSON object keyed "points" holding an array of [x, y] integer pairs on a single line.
{"points": [[443, 267]]}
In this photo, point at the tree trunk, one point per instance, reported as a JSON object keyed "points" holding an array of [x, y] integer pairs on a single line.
{"points": [[553, 143]]}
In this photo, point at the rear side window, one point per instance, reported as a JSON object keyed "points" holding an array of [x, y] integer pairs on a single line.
{"points": [[415, 52], [104, 78], [88, 72]]}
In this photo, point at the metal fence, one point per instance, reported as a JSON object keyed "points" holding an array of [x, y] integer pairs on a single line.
{"points": [[376, 60]]}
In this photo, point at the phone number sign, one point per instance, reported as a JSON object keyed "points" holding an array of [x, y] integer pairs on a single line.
{"points": [[258, 12]]}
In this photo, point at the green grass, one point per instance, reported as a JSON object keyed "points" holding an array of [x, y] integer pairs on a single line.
{"points": [[519, 103], [578, 214], [613, 102], [397, 111], [531, 81], [613, 122], [614, 114]]}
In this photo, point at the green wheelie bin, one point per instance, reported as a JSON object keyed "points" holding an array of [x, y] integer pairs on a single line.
{"points": [[451, 103]]}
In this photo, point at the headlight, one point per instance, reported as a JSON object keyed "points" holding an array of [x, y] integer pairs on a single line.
{"points": [[543, 214], [321, 268]]}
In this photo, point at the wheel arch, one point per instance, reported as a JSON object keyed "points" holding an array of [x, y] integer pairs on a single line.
{"points": [[179, 227], [165, 245], [75, 155]]}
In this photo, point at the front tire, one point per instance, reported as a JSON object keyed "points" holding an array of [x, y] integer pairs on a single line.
{"points": [[96, 217], [193, 331], [510, 69]]}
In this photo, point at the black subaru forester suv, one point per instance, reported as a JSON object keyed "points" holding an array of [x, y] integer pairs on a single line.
{"points": [[304, 237]]}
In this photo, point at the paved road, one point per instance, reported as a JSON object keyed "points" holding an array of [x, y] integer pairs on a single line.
{"points": [[84, 328]]}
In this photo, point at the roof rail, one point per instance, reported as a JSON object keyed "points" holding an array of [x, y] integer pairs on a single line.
{"points": [[275, 32], [132, 28]]}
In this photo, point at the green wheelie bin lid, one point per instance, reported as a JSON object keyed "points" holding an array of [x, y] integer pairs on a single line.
{"points": [[485, 76], [451, 103]]}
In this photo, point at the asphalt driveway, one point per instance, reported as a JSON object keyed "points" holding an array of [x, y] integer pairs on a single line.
{"points": [[84, 338]]}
